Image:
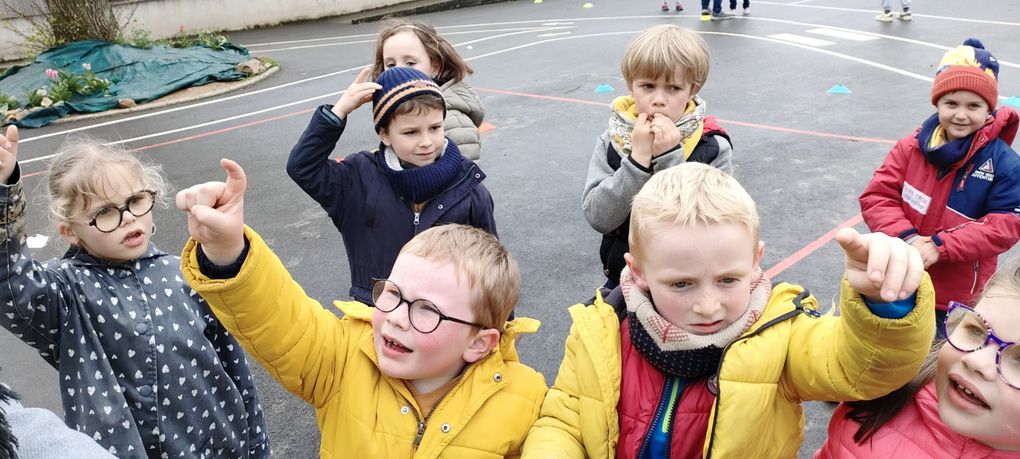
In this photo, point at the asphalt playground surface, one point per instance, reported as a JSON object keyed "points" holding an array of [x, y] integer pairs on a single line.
{"points": [[803, 153]]}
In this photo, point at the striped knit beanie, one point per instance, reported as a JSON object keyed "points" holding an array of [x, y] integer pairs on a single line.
{"points": [[968, 67], [400, 84]]}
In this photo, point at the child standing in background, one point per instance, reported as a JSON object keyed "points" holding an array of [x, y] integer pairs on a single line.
{"points": [[952, 188], [145, 368], [661, 124], [406, 43], [380, 200]]}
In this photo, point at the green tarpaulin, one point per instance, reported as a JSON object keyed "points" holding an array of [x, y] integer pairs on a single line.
{"points": [[136, 73]]}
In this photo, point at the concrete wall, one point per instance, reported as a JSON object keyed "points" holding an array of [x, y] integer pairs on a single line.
{"points": [[164, 17]]}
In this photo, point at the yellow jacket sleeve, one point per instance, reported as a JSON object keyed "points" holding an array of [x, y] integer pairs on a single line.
{"points": [[557, 432], [301, 345], [858, 356]]}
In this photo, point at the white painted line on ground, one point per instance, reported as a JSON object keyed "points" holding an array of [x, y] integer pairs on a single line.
{"points": [[835, 33], [228, 98], [373, 39], [553, 34], [546, 22], [801, 39], [872, 11]]}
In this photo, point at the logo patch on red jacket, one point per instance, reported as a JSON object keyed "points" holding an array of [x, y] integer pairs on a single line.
{"points": [[916, 198]]}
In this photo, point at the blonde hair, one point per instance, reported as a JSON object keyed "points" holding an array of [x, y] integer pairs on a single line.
{"points": [[491, 272], [691, 194], [657, 52], [450, 66], [84, 171]]}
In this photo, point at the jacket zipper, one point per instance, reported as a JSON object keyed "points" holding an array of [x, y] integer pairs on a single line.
{"points": [[664, 402], [417, 214], [423, 424], [977, 271], [799, 309]]}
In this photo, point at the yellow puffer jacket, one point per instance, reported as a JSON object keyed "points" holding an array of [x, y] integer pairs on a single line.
{"points": [[331, 363], [788, 356]]}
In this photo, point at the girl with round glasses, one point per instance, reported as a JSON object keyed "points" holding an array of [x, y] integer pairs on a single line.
{"points": [[145, 368], [965, 402]]}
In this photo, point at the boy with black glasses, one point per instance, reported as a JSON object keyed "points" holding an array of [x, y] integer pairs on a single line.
{"points": [[431, 371]]}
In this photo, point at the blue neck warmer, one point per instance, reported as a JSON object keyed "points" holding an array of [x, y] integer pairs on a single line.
{"points": [[949, 153], [421, 184]]}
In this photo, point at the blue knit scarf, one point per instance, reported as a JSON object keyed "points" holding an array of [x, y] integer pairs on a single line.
{"points": [[420, 184], [949, 153]]}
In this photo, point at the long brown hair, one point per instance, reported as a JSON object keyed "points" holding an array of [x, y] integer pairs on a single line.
{"points": [[451, 67]]}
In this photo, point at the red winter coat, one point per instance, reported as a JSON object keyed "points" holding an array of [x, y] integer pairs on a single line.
{"points": [[644, 385], [970, 211], [916, 432]]}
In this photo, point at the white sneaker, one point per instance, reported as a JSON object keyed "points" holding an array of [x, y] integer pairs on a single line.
{"points": [[906, 16], [884, 17], [747, 11]]}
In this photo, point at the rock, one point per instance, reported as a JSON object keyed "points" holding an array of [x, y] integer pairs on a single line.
{"points": [[15, 115], [46, 102], [126, 102], [250, 67]]}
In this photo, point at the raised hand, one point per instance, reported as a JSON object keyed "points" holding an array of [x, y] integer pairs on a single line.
{"points": [[216, 214], [356, 95], [641, 139], [667, 135], [8, 153], [881, 268]]}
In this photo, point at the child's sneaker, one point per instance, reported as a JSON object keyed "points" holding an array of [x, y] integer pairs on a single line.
{"points": [[665, 6], [722, 16], [679, 7], [906, 16], [884, 17], [747, 11], [706, 15]]}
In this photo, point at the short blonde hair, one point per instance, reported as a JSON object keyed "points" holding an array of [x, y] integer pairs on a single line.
{"points": [[491, 272], [84, 171], [658, 51], [691, 194]]}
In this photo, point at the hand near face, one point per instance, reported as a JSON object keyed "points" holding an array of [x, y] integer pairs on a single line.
{"points": [[8, 153], [357, 94], [216, 214], [883, 269], [667, 135], [642, 141]]}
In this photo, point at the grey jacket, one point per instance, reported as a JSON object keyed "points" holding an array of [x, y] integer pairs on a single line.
{"points": [[145, 368], [608, 191], [464, 114], [40, 434]]}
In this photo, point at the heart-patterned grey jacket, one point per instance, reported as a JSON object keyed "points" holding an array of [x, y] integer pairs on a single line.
{"points": [[145, 368]]}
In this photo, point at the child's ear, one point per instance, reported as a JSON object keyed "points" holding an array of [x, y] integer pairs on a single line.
{"points": [[384, 136], [639, 277], [694, 90], [482, 343], [67, 233], [758, 254]]}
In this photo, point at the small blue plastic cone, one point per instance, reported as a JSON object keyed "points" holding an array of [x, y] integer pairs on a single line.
{"points": [[604, 88], [839, 89], [1013, 101]]}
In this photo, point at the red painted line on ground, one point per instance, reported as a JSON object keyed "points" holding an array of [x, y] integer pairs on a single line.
{"points": [[485, 127], [733, 122], [811, 248], [205, 134]]}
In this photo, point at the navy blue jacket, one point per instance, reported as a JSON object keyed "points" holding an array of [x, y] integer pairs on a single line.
{"points": [[373, 218]]}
